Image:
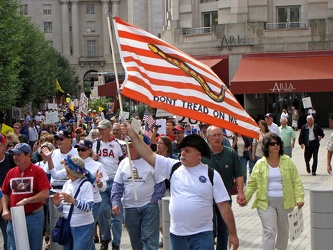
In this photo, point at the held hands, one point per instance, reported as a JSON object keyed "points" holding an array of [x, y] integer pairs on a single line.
{"points": [[241, 200]]}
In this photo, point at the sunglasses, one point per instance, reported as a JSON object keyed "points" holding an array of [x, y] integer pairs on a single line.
{"points": [[82, 149], [273, 143], [177, 133], [59, 139]]}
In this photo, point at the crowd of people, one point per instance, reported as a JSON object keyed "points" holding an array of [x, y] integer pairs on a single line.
{"points": [[128, 173]]}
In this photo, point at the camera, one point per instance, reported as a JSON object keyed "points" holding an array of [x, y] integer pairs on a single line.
{"points": [[157, 126]]}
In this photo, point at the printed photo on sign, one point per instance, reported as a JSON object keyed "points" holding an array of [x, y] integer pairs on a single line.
{"points": [[23, 185]]}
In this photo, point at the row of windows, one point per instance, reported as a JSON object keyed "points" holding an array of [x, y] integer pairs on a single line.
{"points": [[284, 14], [89, 24], [47, 9]]}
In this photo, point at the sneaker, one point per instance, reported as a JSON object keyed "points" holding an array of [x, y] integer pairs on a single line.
{"points": [[114, 247]]}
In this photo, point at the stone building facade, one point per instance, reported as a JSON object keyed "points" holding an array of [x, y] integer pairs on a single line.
{"points": [[240, 30]]}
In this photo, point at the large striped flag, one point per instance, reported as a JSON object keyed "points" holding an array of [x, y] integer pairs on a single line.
{"points": [[164, 77]]}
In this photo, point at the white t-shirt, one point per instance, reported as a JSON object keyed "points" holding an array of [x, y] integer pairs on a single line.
{"points": [[57, 157], [79, 217], [192, 193], [275, 186], [33, 134], [109, 154], [274, 129], [93, 167], [145, 179]]}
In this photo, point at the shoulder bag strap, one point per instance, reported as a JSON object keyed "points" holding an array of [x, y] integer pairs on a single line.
{"points": [[76, 194]]}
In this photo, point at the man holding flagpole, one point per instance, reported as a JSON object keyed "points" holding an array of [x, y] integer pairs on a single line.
{"points": [[192, 193]]}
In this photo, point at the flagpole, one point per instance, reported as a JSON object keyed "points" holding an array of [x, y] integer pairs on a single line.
{"points": [[120, 101]]}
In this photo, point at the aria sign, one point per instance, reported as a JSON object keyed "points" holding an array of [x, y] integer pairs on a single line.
{"points": [[282, 87], [234, 41]]}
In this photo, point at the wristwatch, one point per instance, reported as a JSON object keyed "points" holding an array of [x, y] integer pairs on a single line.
{"points": [[25, 201]]}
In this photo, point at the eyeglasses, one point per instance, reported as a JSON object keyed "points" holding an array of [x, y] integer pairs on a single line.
{"points": [[273, 143], [177, 133], [59, 139], [82, 149]]}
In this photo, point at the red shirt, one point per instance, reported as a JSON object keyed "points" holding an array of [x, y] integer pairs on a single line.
{"points": [[19, 185]]}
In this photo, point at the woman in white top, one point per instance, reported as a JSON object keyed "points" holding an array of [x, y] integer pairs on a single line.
{"points": [[257, 144], [82, 220], [84, 149]]}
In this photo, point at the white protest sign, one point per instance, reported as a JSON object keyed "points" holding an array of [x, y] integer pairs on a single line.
{"points": [[52, 117], [83, 104], [307, 102], [162, 123]]}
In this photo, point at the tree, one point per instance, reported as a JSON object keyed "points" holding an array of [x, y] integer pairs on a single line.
{"points": [[29, 66], [11, 46]]}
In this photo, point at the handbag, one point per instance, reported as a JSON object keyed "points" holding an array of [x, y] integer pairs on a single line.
{"points": [[246, 155], [62, 230]]}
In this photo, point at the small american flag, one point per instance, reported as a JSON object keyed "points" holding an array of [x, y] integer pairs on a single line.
{"points": [[147, 117]]}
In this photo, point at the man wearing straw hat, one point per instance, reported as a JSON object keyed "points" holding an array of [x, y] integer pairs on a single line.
{"points": [[25, 185]]}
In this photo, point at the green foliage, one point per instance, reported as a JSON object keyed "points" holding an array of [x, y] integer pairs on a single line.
{"points": [[141, 108], [101, 102], [29, 66]]}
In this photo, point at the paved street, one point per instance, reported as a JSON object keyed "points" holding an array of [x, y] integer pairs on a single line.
{"points": [[247, 220]]}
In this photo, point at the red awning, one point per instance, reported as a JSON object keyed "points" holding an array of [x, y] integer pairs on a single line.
{"points": [[109, 89], [293, 74], [219, 65]]}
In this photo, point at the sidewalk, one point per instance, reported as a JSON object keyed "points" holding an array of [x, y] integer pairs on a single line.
{"points": [[247, 220]]}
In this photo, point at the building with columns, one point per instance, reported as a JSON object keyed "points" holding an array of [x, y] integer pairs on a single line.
{"points": [[271, 54], [79, 30]]}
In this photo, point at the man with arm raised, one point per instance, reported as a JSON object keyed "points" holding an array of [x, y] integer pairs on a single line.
{"points": [[192, 193]]}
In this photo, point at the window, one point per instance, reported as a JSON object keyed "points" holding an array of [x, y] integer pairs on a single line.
{"points": [[91, 48], [288, 14], [24, 9], [90, 26], [90, 9], [210, 18], [47, 27], [47, 9]]}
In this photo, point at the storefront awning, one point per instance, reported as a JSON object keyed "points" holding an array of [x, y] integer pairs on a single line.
{"points": [[293, 74], [219, 65]]}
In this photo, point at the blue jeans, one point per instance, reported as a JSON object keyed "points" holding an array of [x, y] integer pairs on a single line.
{"points": [[95, 211], [81, 237], [251, 162], [143, 225], [35, 225], [244, 165], [103, 220], [222, 229], [287, 151], [199, 241], [3, 226]]}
